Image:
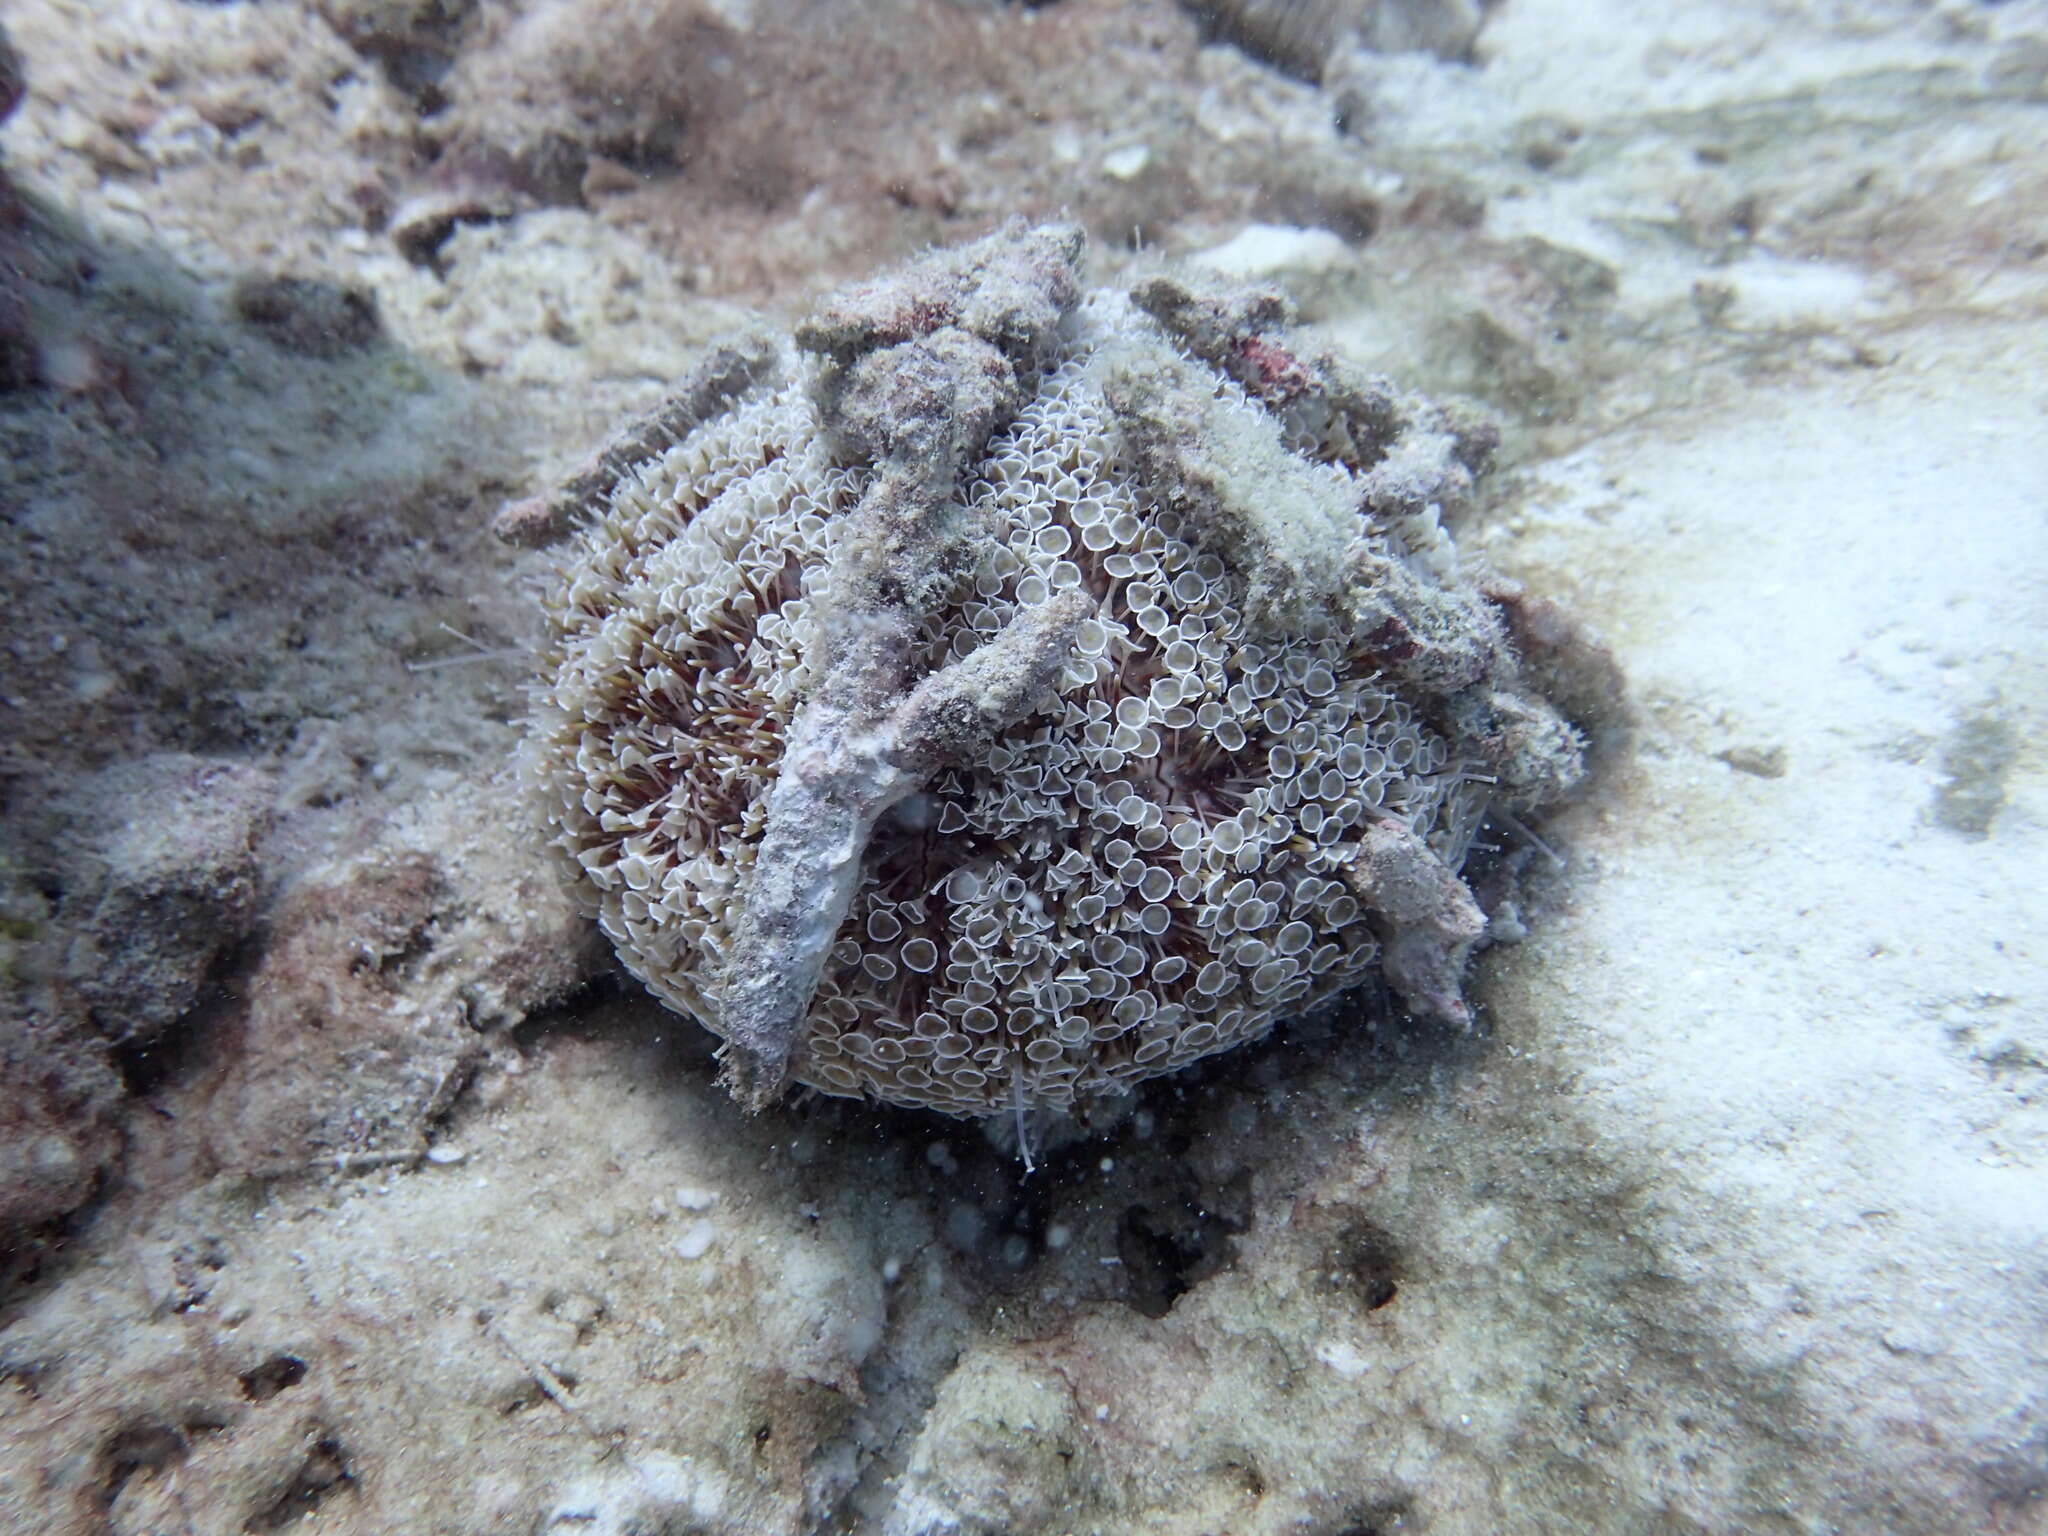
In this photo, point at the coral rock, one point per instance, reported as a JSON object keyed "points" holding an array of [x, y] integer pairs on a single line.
{"points": [[58, 1093], [384, 977], [990, 707], [1002, 1451], [179, 888], [334, 1057], [1302, 36]]}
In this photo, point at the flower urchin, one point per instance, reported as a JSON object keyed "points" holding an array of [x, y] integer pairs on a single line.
{"points": [[1005, 695]]}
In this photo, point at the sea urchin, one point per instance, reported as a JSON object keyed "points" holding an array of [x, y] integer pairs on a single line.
{"points": [[998, 694]]}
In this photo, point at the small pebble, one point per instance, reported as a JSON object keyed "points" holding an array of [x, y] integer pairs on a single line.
{"points": [[1127, 162]]}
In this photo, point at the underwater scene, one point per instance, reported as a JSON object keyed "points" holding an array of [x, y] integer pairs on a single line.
{"points": [[1023, 768]]}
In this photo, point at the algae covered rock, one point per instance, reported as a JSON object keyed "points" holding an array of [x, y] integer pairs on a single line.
{"points": [[175, 888], [1000, 693], [1001, 1453], [58, 1095]]}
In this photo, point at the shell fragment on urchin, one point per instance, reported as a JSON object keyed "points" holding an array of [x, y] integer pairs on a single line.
{"points": [[1187, 721]]}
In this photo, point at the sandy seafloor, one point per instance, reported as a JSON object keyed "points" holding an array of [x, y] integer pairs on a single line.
{"points": [[345, 1184]]}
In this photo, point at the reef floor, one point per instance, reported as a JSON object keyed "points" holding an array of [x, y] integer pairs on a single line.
{"points": [[346, 1185]]}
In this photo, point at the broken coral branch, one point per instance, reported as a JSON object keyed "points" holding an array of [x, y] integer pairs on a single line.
{"points": [[923, 368]]}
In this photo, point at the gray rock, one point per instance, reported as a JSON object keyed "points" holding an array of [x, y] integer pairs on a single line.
{"points": [[176, 887]]}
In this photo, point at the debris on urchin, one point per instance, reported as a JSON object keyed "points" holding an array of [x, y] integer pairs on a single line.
{"points": [[1000, 694]]}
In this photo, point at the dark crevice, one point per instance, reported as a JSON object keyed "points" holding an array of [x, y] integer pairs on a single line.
{"points": [[138, 1448], [1365, 1262], [149, 1064], [1166, 1252], [272, 1377], [324, 1473]]}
